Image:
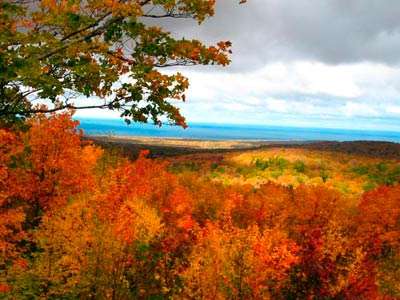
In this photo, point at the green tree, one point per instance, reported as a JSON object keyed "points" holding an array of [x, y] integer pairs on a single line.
{"points": [[52, 51]]}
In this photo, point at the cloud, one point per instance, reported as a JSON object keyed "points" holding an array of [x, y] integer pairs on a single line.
{"points": [[332, 32], [307, 92], [394, 110], [298, 62], [301, 79]]}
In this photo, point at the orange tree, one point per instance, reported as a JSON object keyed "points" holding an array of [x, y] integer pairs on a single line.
{"points": [[41, 168], [56, 50]]}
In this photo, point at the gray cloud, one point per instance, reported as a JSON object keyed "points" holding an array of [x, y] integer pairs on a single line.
{"points": [[329, 31]]}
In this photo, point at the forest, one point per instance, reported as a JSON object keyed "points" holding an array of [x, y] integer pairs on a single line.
{"points": [[82, 222]]}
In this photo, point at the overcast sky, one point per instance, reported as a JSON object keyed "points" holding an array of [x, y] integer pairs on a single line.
{"points": [[319, 63]]}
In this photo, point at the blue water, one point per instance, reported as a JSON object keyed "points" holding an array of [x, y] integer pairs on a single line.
{"points": [[233, 132]]}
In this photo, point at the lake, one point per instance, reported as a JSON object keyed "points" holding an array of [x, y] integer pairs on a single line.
{"points": [[204, 131]]}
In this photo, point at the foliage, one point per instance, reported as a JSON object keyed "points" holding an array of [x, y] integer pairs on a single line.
{"points": [[55, 51], [299, 166], [233, 263], [276, 162], [81, 223], [380, 173], [41, 169]]}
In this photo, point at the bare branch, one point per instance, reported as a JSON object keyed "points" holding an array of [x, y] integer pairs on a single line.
{"points": [[169, 15], [176, 64]]}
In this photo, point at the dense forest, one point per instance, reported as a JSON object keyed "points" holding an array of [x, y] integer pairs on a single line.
{"points": [[81, 222]]}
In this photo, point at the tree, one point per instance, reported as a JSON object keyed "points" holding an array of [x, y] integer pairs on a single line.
{"points": [[11, 216], [233, 263], [57, 50], [41, 168], [379, 234]]}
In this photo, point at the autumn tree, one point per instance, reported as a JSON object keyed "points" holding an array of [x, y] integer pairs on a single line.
{"points": [[128, 238], [56, 50], [233, 263], [41, 167], [45, 164], [59, 164], [379, 235], [11, 213], [148, 182], [331, 265]]}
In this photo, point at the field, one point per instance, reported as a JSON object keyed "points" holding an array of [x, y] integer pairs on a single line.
{"points": [[106, 220]]}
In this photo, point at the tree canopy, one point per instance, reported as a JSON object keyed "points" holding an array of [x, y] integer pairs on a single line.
{"points": [[53, 51]]}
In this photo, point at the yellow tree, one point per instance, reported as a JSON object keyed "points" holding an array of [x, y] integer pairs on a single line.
{"points": [[233, 263]]}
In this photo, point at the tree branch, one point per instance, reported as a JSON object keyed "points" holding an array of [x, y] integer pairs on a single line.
{"points": [[169, 15], [86, 28], [97, 31], [127, 60], [55, 109], [176, 64]]}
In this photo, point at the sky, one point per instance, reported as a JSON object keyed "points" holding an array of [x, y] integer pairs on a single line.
{"points": [[304, 63]]}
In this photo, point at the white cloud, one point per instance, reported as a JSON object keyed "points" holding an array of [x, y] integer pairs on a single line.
{"points": [[306, 78], [276, 105], [351, 109], [300, 92], [301, 88], [393, 109]]}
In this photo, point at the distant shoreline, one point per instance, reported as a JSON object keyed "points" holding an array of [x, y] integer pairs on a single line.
{"points": [[193, 143], [159, 147], [238, 133]]}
